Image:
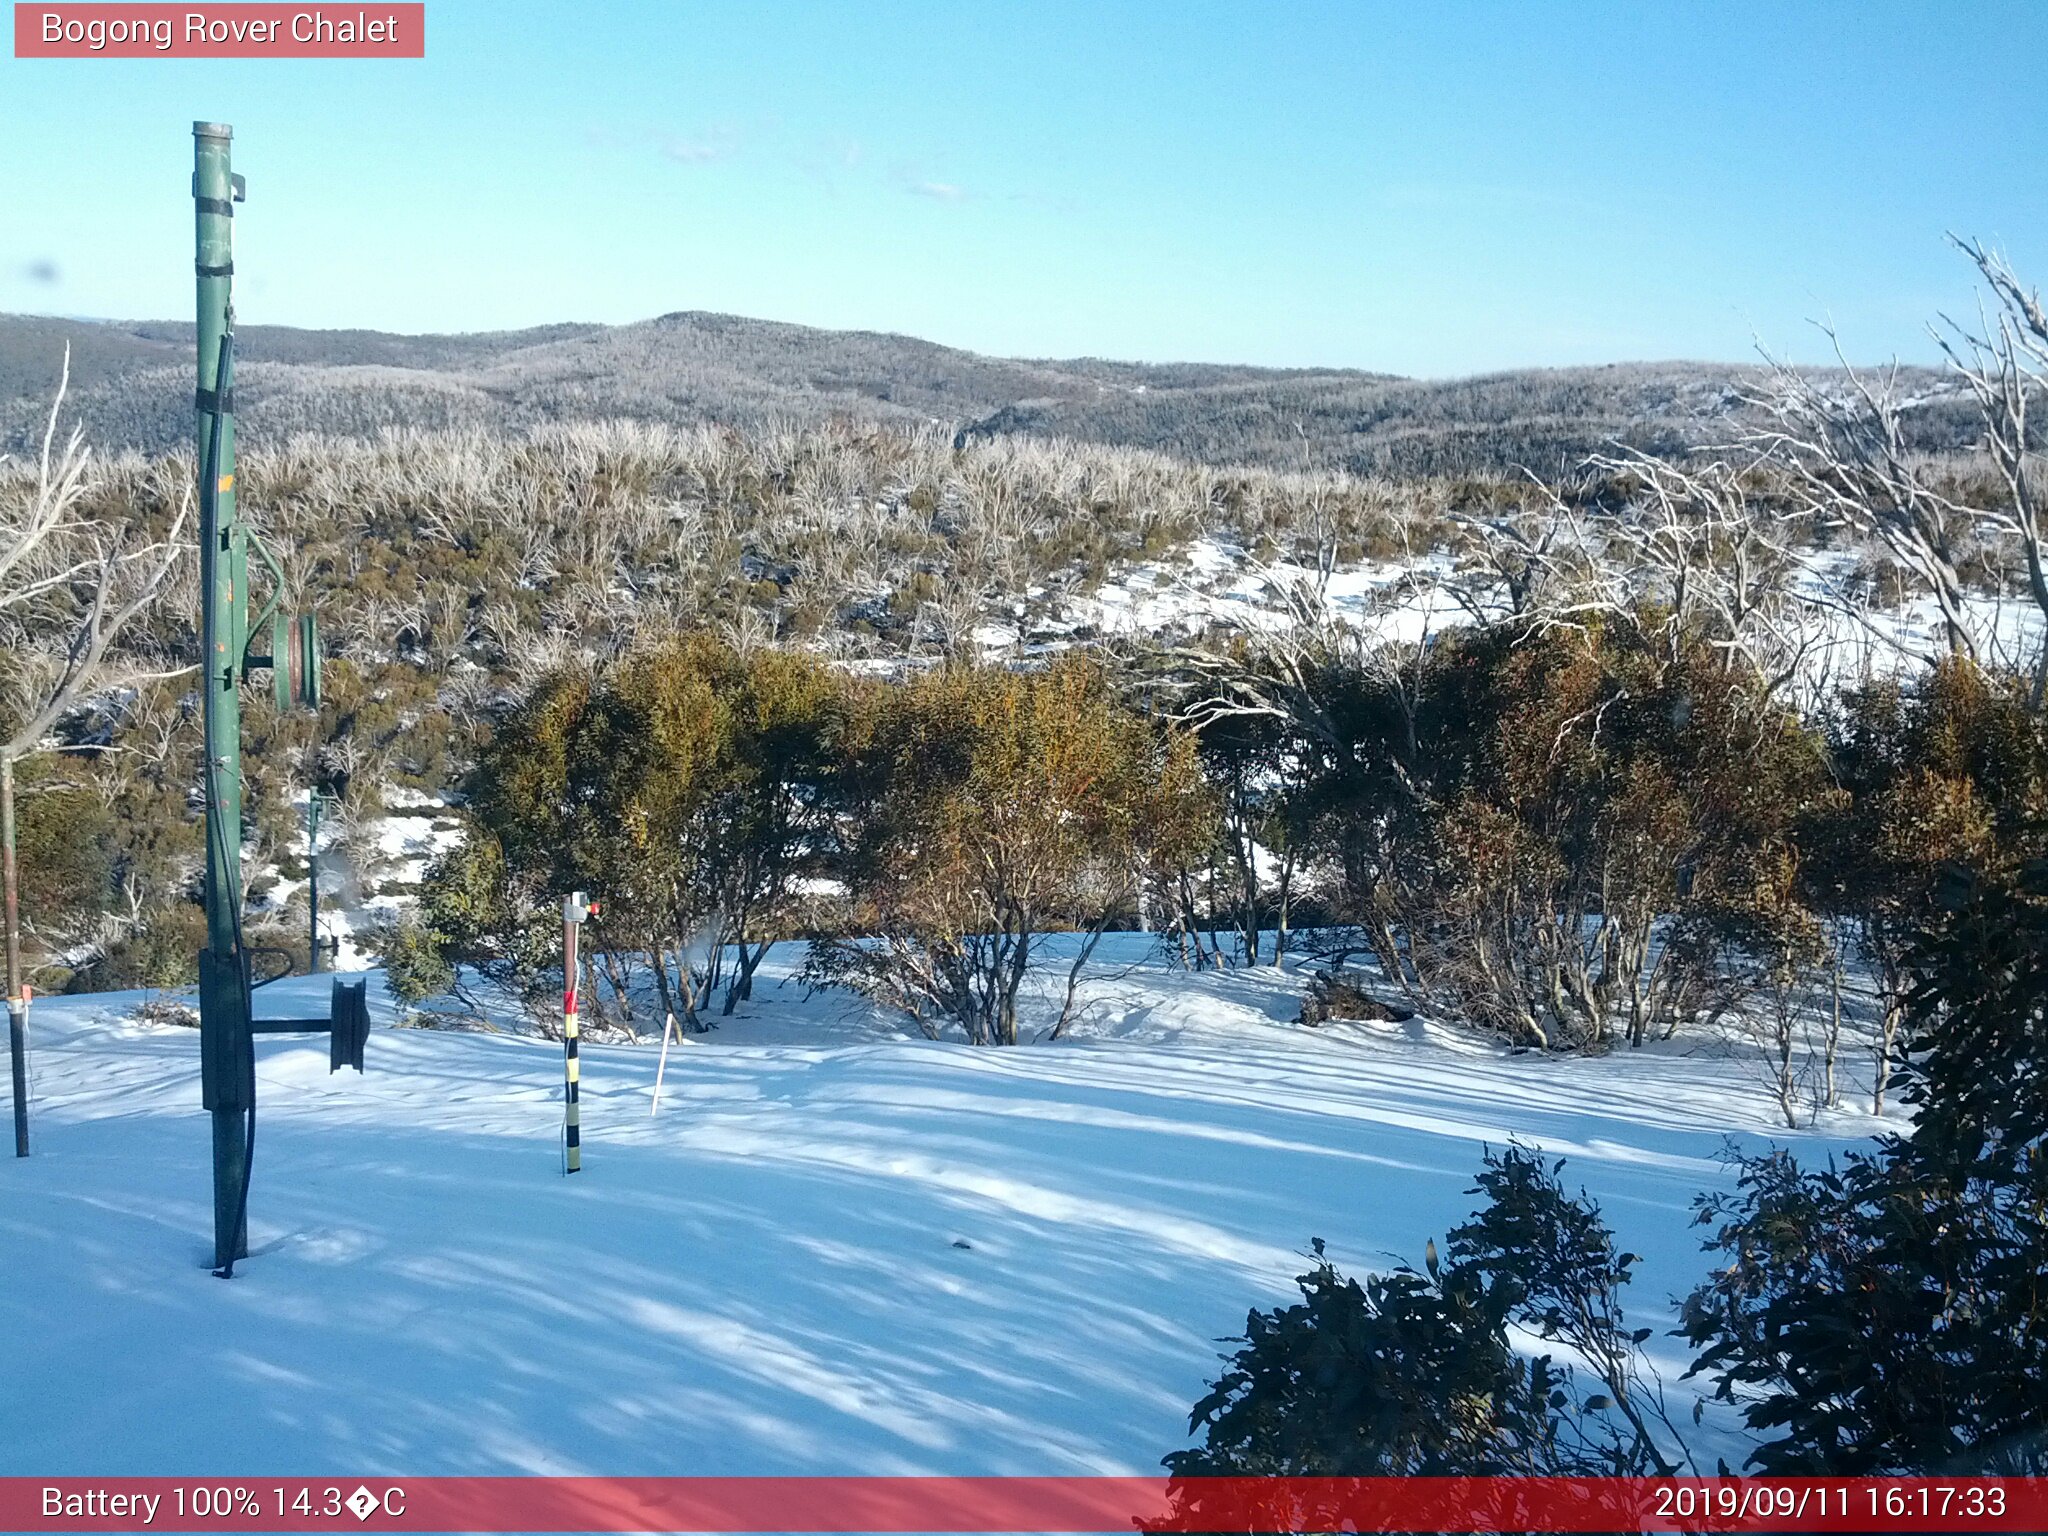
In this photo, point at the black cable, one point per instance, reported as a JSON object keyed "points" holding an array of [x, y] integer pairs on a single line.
{"points": [[209, 491]]}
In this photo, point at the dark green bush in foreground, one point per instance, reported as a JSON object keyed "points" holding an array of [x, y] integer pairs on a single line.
{"points": [[1885, 1316]]}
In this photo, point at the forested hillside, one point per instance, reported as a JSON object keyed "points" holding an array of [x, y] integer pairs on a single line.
{"points": [[133, 388], [1703, 647]]}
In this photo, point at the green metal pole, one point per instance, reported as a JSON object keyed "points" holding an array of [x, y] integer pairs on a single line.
{"points": [[17, 1005], [227, 1055]]}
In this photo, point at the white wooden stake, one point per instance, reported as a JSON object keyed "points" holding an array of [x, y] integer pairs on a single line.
{"points": [[661, 1066]]}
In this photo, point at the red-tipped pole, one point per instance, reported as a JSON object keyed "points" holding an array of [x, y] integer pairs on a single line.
{"points": [[576, 911]]}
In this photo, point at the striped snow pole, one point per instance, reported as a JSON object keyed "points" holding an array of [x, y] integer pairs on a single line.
{"points": [[576, 910]]}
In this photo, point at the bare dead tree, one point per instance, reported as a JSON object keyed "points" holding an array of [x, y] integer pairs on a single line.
{"points": [[1850, 463], [2004, 363], [1714, 553], [69, 587], [1512, 557]]}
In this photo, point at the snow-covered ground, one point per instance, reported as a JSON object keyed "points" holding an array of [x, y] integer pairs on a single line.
{"points": [[1211, 582], [1853, 638], [839, 1249]]}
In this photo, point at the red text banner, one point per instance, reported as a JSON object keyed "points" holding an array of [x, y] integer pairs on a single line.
{"points": [[238, 31], [1003, 1504]]}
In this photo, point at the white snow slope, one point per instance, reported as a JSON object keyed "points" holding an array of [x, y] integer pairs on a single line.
{"points": [[837, 1250]]}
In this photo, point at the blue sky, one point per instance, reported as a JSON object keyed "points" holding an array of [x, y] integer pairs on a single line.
{"points": [[1424, 188]]}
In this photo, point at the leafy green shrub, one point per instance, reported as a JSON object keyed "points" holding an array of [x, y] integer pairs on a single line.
{"points": [[1889, 1314], [1401, 1375], [1552, 834], [1413, 1374], [1945, 770], [681, 786], [982, 807], [163, 952], [67, 844], [415, 965]]}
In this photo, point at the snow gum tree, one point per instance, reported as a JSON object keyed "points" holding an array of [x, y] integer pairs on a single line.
{"points": [[1552, 832], [984, 807], [1947, 770], [680, 786], [1258, 771], [696, 801]]}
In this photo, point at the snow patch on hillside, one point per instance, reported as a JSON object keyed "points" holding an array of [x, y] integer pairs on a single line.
{"points": [[1212, 582], [368, 872]]}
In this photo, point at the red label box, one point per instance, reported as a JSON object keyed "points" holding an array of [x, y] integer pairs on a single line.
{"points": [[1118, 1506], [371, 30]]}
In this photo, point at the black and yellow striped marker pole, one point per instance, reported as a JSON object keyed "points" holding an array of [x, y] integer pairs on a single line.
{"points": [[576, 911]]}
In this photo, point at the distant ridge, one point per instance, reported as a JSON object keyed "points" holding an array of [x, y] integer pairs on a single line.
{"points": [[132, 388]]}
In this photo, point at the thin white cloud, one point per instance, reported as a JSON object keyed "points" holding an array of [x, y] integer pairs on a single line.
{"points": [[700, 151], [938, 191]]}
